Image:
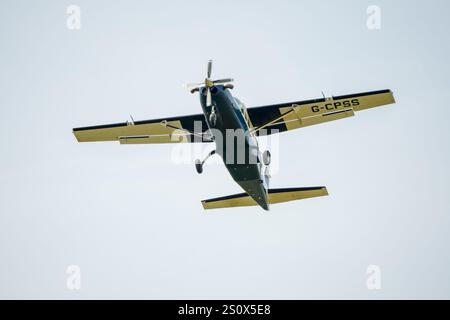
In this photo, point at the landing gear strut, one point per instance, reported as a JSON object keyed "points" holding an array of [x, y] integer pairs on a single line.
{"points": [[199, 164], [213, 117]]}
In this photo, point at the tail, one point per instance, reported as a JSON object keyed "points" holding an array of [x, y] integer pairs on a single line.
{"points": [[274, 196]]}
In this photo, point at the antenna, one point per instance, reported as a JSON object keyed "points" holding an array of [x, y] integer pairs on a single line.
{"points": [[132, 120], [323, 95]]}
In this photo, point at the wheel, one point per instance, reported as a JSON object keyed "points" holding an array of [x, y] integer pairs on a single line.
{"points": [[266, 157], [198, 166], [213, 119]]}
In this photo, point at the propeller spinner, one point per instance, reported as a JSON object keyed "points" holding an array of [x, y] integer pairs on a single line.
{"points": [[208, 84]]}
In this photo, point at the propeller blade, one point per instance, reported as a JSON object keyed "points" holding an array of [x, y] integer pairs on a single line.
{"points": [[208, 98], [209, 69], [223, 80], [193, 85]]}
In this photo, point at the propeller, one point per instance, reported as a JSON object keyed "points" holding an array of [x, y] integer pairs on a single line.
{"points": [[209, 68], [208, 84]]}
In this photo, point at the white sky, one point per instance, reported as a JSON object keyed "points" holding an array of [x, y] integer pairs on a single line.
{"points": [[132, 219]]}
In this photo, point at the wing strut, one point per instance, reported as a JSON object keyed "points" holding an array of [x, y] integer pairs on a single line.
{"points": [[255, 130], [200, 135]]}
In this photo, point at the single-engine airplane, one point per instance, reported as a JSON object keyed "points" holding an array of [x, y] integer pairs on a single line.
{"points": [[222, 114]]}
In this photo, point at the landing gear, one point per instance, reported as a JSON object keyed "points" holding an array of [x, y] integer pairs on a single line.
{"points": [[199, 164], [266, 157], [267, 175], [213, 117]]}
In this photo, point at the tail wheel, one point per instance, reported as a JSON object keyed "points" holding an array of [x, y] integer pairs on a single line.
{"points": [[266, 157]]}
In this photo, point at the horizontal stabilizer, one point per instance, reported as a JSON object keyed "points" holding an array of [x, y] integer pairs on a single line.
{"points": [[274, 196]]}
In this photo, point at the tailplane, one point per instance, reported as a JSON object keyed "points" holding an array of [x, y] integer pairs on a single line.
{"points": [[274, 196]]}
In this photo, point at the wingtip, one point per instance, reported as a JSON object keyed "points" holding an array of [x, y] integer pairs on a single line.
{"points": [[75, 135]]}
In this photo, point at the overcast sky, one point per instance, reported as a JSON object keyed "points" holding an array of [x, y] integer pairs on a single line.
{"points": [[130, 217]]}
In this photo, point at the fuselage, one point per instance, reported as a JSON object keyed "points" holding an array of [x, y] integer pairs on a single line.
{"points": [[235, 143]]}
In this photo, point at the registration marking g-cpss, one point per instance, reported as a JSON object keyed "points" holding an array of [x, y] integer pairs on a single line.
{"points": [[336, 105]]}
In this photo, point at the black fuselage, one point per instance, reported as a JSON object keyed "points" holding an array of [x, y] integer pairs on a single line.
{"points": [[234, 142]]}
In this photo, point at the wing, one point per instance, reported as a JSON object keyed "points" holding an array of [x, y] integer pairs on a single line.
{"points": [[288, 116], [167, 130]]}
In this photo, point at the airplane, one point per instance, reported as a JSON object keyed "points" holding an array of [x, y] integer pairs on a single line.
{"points": [[223, 113]]}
